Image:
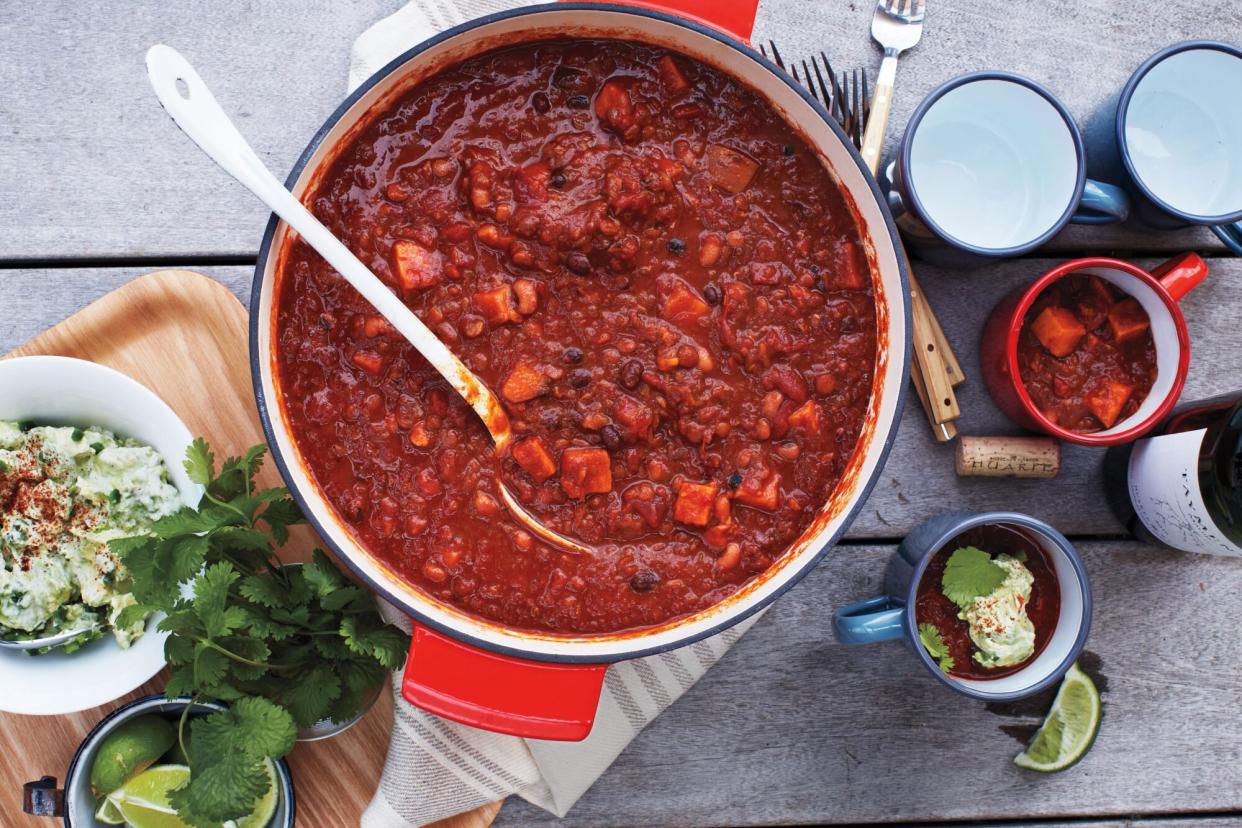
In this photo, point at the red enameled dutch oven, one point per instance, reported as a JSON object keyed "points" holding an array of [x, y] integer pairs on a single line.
{"points": [[543, 685], [1158, 292]]}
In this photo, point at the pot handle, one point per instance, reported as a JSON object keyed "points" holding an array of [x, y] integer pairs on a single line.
{"points": [[520, 697], [43, 798], [1182, 274], [734, 17]]}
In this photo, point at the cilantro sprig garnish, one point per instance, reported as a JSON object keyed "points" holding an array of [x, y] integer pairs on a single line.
{"points": [[284, 646], [936, 648], [970, 573]]}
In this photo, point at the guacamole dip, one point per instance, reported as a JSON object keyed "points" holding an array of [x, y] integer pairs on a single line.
{"points": [[65, 492], [999, 625]]}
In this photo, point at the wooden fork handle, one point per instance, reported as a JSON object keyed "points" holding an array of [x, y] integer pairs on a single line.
{"points": [[877, 121]]}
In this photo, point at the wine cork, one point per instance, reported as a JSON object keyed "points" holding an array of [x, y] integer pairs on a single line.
{"points": [[1008, 457]]}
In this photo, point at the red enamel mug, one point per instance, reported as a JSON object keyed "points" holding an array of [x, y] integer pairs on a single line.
{"points": [[1158, 292]]}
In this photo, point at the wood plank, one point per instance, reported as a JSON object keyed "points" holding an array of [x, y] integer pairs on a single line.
{"points": [[98, 169], [791, 728], [918, 480], [184, 336]]}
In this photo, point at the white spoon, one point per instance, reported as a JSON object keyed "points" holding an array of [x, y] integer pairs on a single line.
{"points": [[192, 106], [55, 640]]}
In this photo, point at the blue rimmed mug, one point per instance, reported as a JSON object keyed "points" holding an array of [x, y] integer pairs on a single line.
{"points": [[1179, 134], [891, 616], [992, 166]]}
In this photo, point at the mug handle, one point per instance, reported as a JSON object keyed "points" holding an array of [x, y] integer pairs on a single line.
{"points": [[1231, 235], [1181, 274], [43, 798], [1101, 204], [867, 622]]}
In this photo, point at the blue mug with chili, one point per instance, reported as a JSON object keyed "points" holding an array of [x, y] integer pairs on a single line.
{"points": [[1179, 134], [992, 166], [996, 606]]}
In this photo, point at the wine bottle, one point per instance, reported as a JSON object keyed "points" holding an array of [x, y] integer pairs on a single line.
{"points": [[1182, 487]]}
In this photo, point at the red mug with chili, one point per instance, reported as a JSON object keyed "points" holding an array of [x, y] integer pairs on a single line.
{"points": [[1095, 351]]}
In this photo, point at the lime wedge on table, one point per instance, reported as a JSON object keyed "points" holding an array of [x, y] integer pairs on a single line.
{"points": [[143, 800], [1069, 729], [109, 814], [265, 808]]}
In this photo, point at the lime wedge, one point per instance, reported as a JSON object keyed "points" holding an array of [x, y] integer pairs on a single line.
{"points": [[143, 800], [109, 814], [265, 808], [1069, 729]]}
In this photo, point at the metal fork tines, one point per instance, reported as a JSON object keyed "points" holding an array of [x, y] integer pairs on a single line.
{"points": [[844, 96]]}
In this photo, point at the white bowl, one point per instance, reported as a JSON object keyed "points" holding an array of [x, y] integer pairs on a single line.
{"points": [[62, 391]]}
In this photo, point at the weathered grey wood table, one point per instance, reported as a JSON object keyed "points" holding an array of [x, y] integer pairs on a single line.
{"points": [[97, 186]]}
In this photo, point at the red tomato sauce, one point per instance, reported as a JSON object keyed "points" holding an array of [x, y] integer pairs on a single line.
{"points": [[933, 607], [658, 278], [1086, 354]]}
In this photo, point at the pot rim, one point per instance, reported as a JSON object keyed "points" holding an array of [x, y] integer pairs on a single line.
{"points": [[1016, 322], [882, 443], [1123, 111]]}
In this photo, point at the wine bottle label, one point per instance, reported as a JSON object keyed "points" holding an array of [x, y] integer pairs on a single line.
{"points": [[1164, 490]]}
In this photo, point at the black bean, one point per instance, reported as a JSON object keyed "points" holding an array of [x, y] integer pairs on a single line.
{"points": [[645, 580], [676, 246], [578, 263], [631, 374], [712, 293], [612, 437], [558, 179], [787, 150], [572, 355], [579, 378], [565, 76], [540, 103], [578, 102], [734, 480]]}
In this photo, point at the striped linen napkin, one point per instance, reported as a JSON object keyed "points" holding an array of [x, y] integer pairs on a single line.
{"points": [[437, 768]]}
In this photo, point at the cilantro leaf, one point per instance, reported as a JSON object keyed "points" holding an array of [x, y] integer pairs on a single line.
{"points": [[970, 573], [385, 644], [310, 696], [190, 521], [200, 462], [211, 595], [936, 648]]}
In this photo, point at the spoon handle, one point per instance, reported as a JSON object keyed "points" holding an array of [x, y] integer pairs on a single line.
{"points": [[191, 105]]}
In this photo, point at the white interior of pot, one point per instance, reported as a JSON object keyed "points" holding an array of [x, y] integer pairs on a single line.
{"points": [[551, 23]]}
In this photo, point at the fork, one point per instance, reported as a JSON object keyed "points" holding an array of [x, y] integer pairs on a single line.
{"points": [[846, 100], [897, 26]]}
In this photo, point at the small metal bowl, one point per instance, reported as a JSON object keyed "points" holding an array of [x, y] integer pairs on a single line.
{"points": [[76, 805]]}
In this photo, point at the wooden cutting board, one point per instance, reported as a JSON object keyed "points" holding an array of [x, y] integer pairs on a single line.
{"points": [[184, 336]]}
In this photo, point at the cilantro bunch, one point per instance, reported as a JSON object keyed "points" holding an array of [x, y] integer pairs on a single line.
{"points": [[285, 646]]}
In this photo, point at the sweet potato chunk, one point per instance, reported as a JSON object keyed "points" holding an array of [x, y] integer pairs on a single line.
{"points": [[613, 106], [530, 183], [1058, 330], [672, 77], [585, 471], [694, 503], [496, 305], [417, 267], [684, 305], [1106, 403], [635, 416], [533, 456], [370, 362], [806, 417], [523, 383], [761, 489], [1127, 320], [729, 169]]}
